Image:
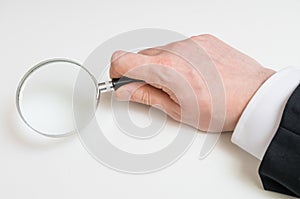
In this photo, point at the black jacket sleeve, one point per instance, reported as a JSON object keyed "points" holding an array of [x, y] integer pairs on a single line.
{"points": [[280, 168]]}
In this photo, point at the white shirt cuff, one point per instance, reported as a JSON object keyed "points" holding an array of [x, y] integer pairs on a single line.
{"points": [[261, 118]]}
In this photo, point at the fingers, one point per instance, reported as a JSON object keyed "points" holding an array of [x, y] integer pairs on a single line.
{"points": [[139, 66], [146, 94], [122, 62]]}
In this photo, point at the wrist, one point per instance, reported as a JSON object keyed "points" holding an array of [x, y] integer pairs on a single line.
{"points": [[237, 105]]}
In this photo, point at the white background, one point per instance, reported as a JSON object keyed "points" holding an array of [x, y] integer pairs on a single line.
{"points": [[30, 31]]}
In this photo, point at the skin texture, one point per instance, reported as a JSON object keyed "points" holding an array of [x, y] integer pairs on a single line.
{"points": [[200, 81]]}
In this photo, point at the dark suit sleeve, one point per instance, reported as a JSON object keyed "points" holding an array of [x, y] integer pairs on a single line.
{"points": [[280, 168]]}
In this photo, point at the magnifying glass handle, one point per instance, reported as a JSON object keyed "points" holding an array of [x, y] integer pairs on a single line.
{"points": [[118, 82]]}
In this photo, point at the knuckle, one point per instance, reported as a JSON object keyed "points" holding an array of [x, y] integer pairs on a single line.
{"points": [[176, 114], [164, 60], [208, 36], [194, 38], [142, 96], [204, 38], [116, 55], [145, 97]]}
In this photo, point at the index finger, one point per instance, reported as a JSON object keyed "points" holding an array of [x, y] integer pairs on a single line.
{"points": [[122, 62]]}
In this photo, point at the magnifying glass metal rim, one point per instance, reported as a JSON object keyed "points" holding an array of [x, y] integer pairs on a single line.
{"points": [[25, 77]]}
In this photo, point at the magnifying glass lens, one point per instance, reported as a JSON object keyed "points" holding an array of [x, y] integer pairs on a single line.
{"points": [[45, 98]]}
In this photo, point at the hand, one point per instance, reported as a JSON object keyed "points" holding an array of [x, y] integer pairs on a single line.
{"points": [[191, 80]]}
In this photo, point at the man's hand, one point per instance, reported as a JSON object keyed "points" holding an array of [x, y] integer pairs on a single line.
{"points": [[182, 71]]}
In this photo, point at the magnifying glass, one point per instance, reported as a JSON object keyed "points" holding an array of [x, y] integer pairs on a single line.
{"points": [[44, 95]]}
